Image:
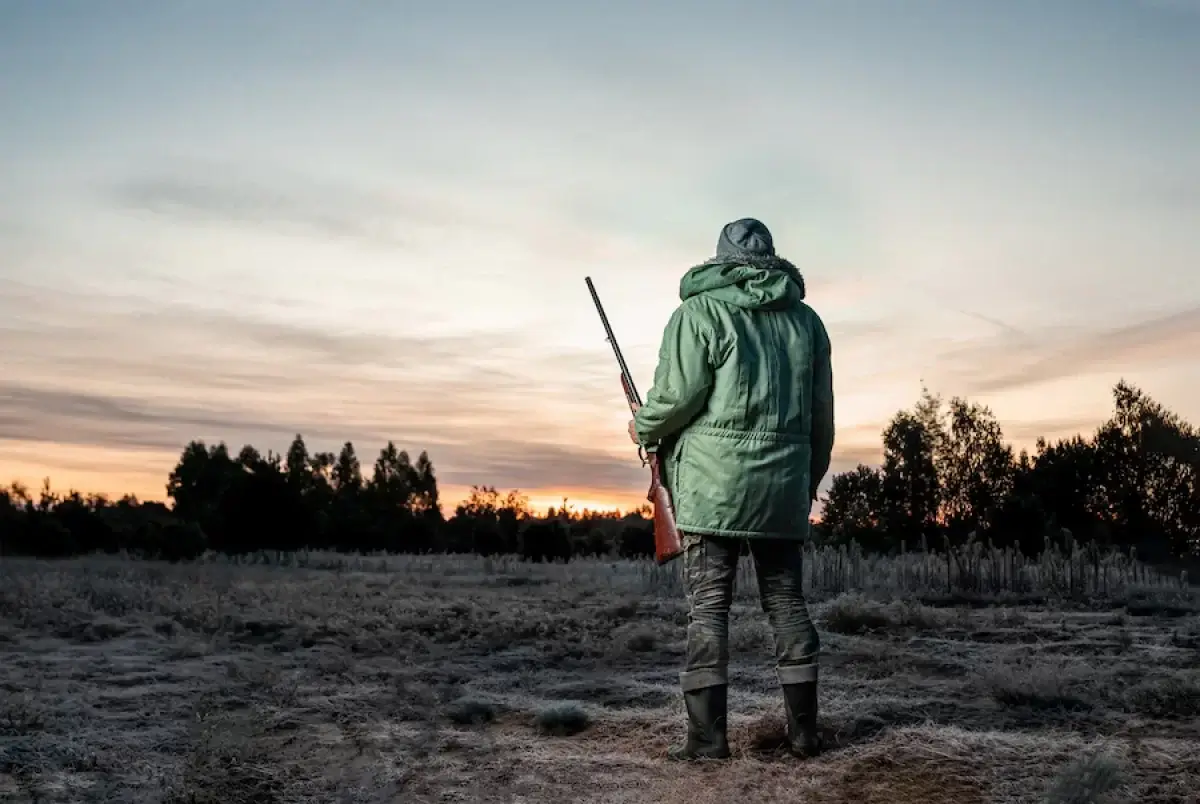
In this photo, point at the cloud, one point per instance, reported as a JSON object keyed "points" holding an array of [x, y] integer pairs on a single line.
{"points": [[95, 420], [517, 464], [291, 201], [1028, 432], [861, 331], [1054, 353], [89, 419], [502, 407], [491, 407], [995, 322], [496, 407], [431, 215], [337, 212], [847, 458]]}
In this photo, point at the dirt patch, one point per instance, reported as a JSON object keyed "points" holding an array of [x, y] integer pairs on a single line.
{"points": [[887, 779]]}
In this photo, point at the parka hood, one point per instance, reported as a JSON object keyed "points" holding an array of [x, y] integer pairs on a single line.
{"points": [[756, 282]]}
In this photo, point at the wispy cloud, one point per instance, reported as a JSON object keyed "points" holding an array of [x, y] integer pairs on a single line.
{"points": [[487, 406], [1056, 353], [330, 211], [418, 215], [493, 408], [88, 419], [1028, 432]]}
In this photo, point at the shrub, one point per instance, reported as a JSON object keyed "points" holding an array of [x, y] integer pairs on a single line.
{"points": [[562, 720], [854, 614], [470, 711]]}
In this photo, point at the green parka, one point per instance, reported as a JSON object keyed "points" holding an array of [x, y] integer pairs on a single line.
{"points": [[741, 410]]}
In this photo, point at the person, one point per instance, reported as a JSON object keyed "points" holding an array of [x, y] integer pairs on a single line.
{"points": [[741, 416]]}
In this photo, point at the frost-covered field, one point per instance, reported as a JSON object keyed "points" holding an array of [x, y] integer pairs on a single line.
{"points": [[467, 679]]}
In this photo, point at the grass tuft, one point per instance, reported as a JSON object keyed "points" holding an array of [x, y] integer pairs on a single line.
{"points": [[1165, 698], [562, 720], [852, 613], [470, 711], [1089, 780], [641, 640], [1038, 686]]}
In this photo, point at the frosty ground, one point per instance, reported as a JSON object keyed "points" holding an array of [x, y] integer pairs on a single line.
{"points": [[467, 679]]}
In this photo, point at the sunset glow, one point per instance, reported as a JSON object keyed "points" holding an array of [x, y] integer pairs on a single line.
{"points": [[242, 221]]}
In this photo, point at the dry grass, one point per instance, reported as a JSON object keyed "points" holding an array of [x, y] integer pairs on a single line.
{"points": [[460, 679]]}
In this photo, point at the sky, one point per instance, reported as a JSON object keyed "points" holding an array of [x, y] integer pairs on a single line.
{"points": [[371, 221]]}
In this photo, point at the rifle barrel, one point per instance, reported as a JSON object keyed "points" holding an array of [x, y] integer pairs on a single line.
{"points": [[612, 339]]}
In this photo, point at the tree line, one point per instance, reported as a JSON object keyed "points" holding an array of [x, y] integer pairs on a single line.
{"points": [[947, 474], [947, 477]]}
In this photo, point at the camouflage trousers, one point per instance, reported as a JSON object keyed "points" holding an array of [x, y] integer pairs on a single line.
{"points": [[709, 567]]}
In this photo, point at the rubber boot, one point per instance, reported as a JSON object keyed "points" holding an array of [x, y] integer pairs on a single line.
{"points": [[707, 712], [800, 704]]}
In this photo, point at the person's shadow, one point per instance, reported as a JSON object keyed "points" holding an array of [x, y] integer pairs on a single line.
{"points": [[768, 738]]}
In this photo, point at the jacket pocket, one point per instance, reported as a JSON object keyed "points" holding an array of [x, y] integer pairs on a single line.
{"points": [[678, 485]]}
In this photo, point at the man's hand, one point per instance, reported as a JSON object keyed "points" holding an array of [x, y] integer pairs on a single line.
{"points": [[633, 426]]}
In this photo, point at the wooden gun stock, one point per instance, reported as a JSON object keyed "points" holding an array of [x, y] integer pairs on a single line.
{"points": [[667, 544], [666, 536]]}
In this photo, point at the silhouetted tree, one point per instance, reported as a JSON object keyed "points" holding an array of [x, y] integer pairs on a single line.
{"points": [[854, 509], [487, 524], [636, 537], [347, 472], [388, 498], [946, 471], [425, 490], [545, 540], [976, 470], [1022, 519], [349, 523], [911, 487], [1063, 479], [298, 466], [1147, 487], [197, 483]]}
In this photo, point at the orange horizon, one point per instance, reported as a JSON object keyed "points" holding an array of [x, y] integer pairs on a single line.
{"points": [[450, 497], [99, 471], [143, 473], [539, 500]]}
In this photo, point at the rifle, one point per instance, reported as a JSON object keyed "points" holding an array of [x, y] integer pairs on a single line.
{"points": [[666, 536]]}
